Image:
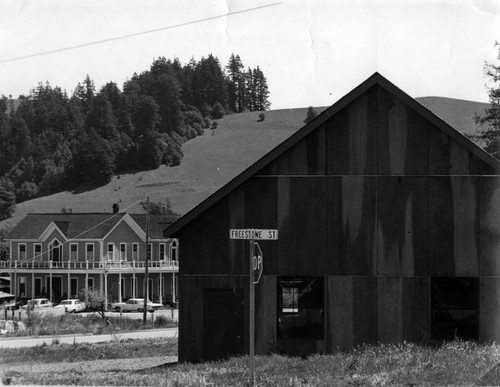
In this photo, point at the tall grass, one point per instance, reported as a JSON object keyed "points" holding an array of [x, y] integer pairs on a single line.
{"points": [[117, 349], [454, 363], [90, 324]]}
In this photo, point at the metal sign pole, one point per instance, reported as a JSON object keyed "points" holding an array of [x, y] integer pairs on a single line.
{"points": [[252, 313]]}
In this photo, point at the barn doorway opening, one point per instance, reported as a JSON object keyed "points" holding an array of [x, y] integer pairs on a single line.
{"points": [[454, 308], [222, 323], [301, 317]]}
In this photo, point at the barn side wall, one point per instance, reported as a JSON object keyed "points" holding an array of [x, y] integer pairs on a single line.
{"points": [[378, 201]]}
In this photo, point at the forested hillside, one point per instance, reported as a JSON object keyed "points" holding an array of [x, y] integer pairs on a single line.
{"points": [[51, 141]]}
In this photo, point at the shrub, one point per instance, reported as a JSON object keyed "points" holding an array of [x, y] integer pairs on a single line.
{"points": [[218, 111], [95, 300], [262, 117], [311, 113]]}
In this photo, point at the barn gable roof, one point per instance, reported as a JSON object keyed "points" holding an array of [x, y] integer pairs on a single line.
{"points": [[375, 79]]}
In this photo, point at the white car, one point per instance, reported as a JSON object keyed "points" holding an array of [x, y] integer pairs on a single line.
{"points": [[38, 303], [72, 305], [135, 305]]}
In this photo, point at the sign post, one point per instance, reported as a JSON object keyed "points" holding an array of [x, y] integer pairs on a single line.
{"points": [[256, 264], [252, 313]]}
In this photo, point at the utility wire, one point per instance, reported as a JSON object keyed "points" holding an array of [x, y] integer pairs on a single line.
{"points": [[136, 34]]}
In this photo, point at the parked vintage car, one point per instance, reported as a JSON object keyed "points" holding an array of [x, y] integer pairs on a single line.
{"points": [[72, 305], [38, 303], [135, 305]]}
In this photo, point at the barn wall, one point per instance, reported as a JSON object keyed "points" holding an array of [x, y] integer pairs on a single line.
{"points": [[377, 200], [191, 316]]}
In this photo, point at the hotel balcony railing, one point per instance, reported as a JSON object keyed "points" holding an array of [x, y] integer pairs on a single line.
{"points": [[90, 265]]}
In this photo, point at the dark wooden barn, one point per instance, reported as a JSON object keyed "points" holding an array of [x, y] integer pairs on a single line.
{"points": [[389, 231]]}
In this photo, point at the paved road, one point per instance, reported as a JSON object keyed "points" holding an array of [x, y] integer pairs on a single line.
{"points": [[168, 313], [15, 342]]}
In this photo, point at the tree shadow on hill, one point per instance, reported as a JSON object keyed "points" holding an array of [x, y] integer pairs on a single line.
{"points": [[82, 188]]}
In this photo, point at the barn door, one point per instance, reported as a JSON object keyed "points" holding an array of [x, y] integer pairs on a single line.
{"points": [[222, 323]]}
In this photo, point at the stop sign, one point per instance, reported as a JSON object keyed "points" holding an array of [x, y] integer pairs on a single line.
{"points": [[258, 262]]}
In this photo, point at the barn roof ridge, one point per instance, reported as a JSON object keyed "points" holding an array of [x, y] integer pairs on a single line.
{"points": [[375, 79]]}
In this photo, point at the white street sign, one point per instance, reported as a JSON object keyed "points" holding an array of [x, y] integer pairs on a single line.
{"points": [[252, 233]]}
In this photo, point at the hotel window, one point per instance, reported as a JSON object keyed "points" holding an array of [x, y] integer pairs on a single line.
{"points": [[135, 251], [123, 251], [73, 251], [111, 249], [21, 286], [55, 252], [174, 250], [150, 251], [162, 251], [150, 290], [73, 288], [38, 287], [134, 287], [37, 251], [89, 254], [123, 288], [22, 251]]}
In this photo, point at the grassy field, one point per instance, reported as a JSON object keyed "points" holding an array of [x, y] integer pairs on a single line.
{"points": [[67, 324], [455, 363], [212, 160], [456, 112]]}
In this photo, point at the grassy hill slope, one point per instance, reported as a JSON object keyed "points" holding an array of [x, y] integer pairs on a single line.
{"points": [[209, 162], [456, 112], [212, 160]]}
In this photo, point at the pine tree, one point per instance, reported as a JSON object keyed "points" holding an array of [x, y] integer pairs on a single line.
{"points": [[94, 162], [311, 113], [490, 121], [84, 93], [236, 84], [7, 202], [208, 83], [261, 90]]}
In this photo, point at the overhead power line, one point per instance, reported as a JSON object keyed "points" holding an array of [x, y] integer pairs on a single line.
{"points": [[135, 34]]}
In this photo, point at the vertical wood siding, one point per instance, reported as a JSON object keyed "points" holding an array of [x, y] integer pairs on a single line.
{"points": [[266, 315], [339, 313], [402, 225], [390, 309], [302, 226], [489, 308], [377, 200], [191, 318], [416, 312], [351, 206], [489, 225], [453, 226]]}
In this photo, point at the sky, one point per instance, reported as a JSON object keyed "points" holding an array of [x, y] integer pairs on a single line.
{"points": [[312, 52]]}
